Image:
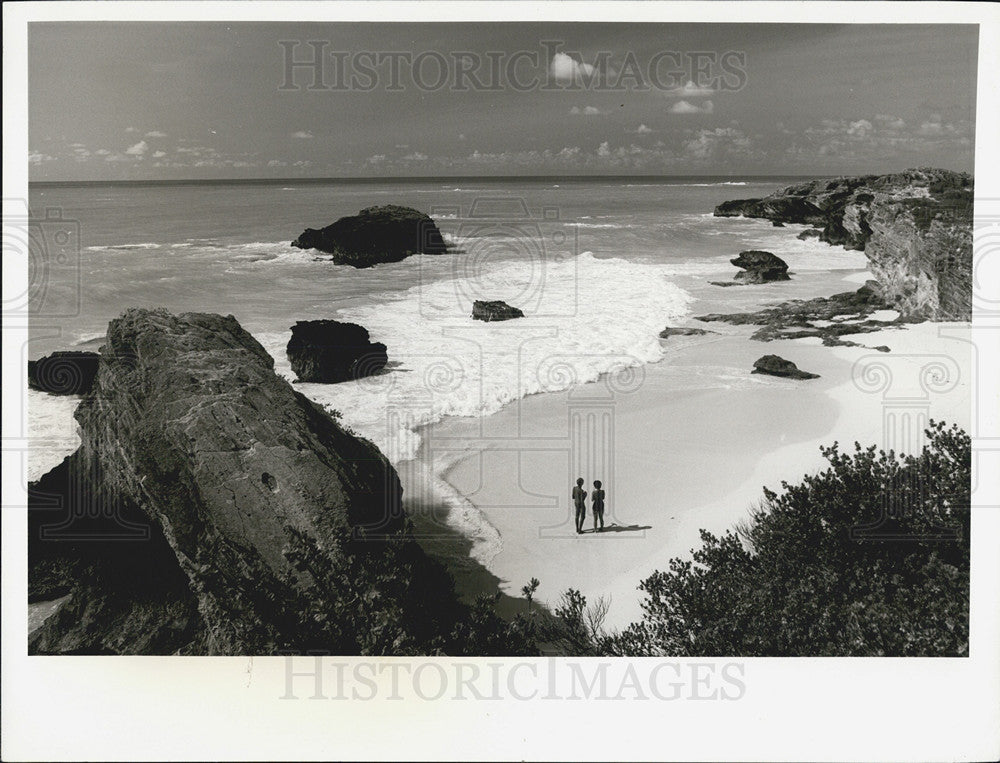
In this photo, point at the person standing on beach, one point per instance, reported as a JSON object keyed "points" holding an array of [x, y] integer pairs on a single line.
{"points": [[598, 508], [579, 501]]}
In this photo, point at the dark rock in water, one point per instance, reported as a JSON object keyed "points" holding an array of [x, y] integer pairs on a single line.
{"points": [[842, 314], [777, 224], [494, 310], [760, 267], [915, 228], [63, 373], [375, 235], [670, 331], [778, 366], [809, 233], [189, 434], [330, 351]]}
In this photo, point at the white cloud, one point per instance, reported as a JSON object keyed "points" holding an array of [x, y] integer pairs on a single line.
{"points": [[131, 129], [722, 141], [416, 156], [860, 129], [589, 111], [603, 150], [303, 135], [889, 121], [139, 149], [690, 90], [686, 107], [461, 136], [566, 69], [375, 159], [36, 157], [156, 134], [102, 152], [159, 154], [643, 130], [277, 163]]}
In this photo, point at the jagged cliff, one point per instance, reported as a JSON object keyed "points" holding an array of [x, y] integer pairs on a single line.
{"points": [[915, 227], [211, 508]]}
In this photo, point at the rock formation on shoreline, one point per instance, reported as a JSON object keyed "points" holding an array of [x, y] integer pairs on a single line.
{"points": [[329, 351], [828, 318], [66, 372], [494, 310], [205, 469], [757, 267], [774, 365], [915, 227], [375, 235], [670, 331]]}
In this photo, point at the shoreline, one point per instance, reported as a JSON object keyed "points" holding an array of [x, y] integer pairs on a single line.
{"points": [[670, 480]]}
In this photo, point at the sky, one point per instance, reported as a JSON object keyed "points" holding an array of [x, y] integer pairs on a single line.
{"points": [[170, 100]]}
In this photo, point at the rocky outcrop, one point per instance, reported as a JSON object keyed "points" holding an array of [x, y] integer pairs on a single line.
{"points": [[494, 310], [809, 233], [915, 228], [773, 365], [670, 331], [63, 372], [189, 437], [330, 351], [760, 267], [827, 318], [375, 235]]}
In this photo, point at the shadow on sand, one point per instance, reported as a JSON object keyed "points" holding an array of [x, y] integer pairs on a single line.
{"points": [[620, 529]]}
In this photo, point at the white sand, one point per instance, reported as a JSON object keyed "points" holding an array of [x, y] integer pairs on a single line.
{"points": [[693, 444]]}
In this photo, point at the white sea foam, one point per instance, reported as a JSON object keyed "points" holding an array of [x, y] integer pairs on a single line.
{"points": [[53, 433], [584, 317], [123, 247]]}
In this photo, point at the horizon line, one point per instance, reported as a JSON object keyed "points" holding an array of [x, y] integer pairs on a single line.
{"points": [[416, 178]]}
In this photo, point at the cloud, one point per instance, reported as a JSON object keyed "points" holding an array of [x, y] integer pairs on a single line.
{"points": [[376, 159], [461, 136], [156, 134], [643, 130], [277, 163], [131, 129], [588, 111], [690, 90], [36, 157], [416, 156], [686, 107], [102, 152], [717, 143], [139, 149], [603, 150], [566, 69], [159, 154], [890, 122], [860, 129], [303, 135]]}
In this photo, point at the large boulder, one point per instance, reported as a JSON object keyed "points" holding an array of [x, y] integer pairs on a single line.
{"points": [[774, 365], [63, 373], [915, 228], [189, 435], [760, 267], [328, 352], [375, 235], [494, 310]]}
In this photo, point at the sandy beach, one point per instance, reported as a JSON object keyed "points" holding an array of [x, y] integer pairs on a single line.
{"points": [[695, 437]]}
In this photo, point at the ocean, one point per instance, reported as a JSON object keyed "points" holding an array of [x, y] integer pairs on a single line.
{"points": [[599, 266]]}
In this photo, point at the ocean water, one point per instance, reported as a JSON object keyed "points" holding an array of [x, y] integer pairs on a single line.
{"points": [[598, 266]]}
